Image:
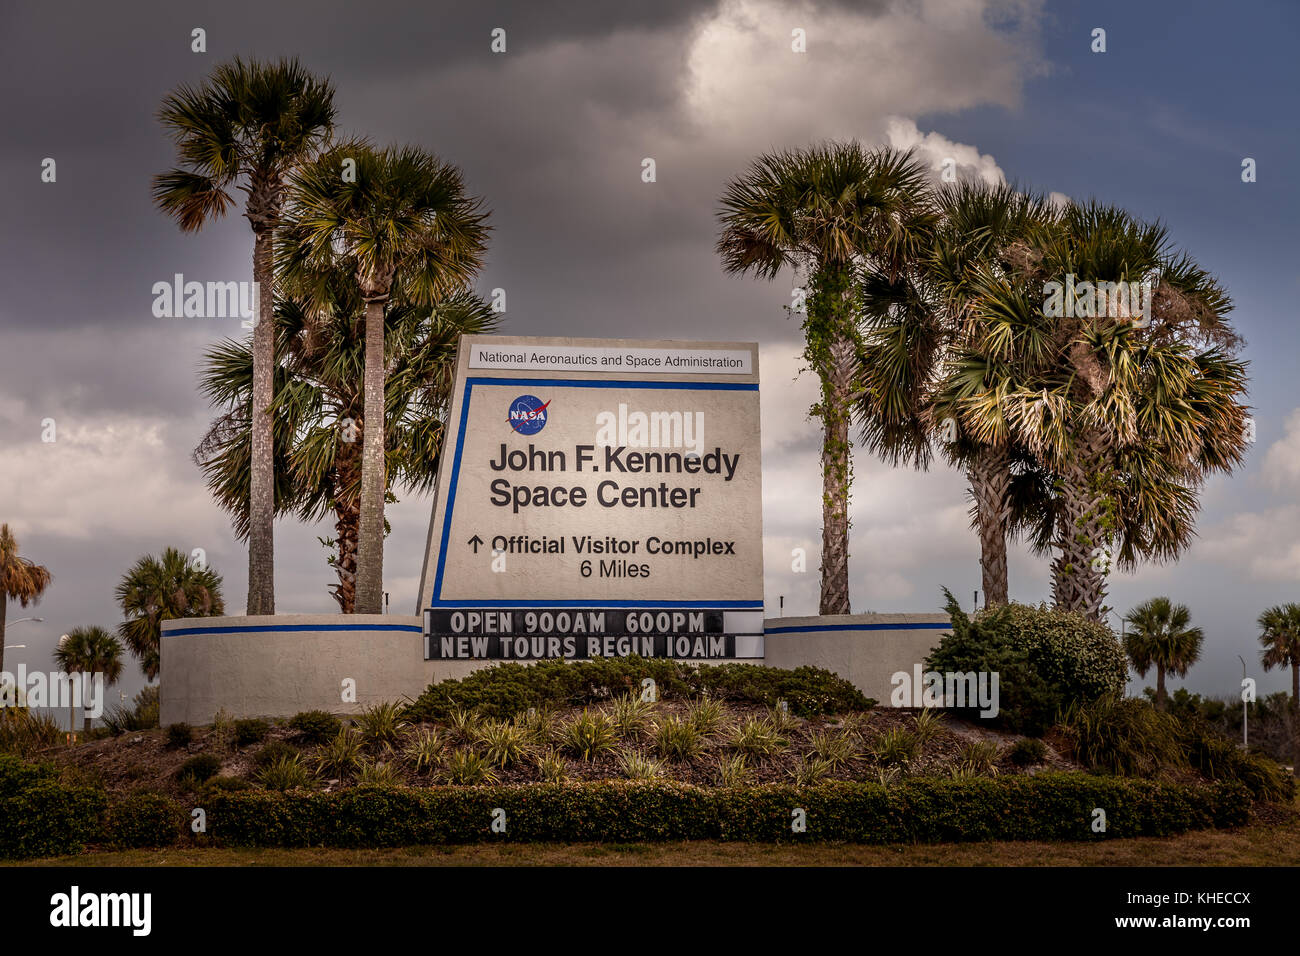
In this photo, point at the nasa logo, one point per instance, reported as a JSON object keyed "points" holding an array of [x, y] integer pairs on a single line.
{"points": [[527, 415]]}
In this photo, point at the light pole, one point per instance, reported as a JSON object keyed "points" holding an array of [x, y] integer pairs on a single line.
{"points": [[21, 619]]}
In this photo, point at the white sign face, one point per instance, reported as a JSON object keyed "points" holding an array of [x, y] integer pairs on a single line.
{"points": [[598, 511]]}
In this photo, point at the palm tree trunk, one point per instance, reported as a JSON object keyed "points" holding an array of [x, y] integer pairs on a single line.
{"points": [[1295, 719], [370, 543], [837, 394], [1162, 698], [261, 505], [4, 613], [1079, 569], [990, 482], [347, 516]]}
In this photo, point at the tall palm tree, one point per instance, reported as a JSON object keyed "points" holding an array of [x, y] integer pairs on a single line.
{"points": [[1280, 638], [320, 394], [163, 589], [89, 651], [984, 235], [1161, 635], [402, 226], [247, 127], [831, 211], [1127, 415], [21, 580]]}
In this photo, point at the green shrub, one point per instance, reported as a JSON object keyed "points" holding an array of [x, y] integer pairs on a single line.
{"points": [[630, 715], [142, 714], [378, 773], [836, 748], [424, 750], [502, 742], [928, 724], [810, 771], [679, 738], [757, 737], [507, 689], [541, 724], [465, 767], [250, 731], [1028, 752], [273, 751], [977, 758], [285, 772], [464, 724], [634, 765], [897, 747], [42, 816], [179, 735], [589, 734], [315, 726], [381, 725], [706, 715], [732, 770], [198, 770], [1124, 736], [1045, 660], [144, 819], [1219, 758], [226, 784], [1047, 806], [551, 767], [25, 733], [340, 756]]}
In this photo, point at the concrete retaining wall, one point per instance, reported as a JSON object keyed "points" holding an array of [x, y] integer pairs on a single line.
{"points": [[278, 666], [865, 649]]}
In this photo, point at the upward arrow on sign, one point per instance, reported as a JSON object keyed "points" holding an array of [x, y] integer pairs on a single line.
{"points": [[475, 542]]}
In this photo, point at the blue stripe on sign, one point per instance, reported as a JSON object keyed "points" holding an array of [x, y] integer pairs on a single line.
{"points": [[554, 383], [600, 604], [858, 627], [250, 628]]}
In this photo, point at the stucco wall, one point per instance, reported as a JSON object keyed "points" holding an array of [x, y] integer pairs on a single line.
{"points": [[866, 649], [279, 666]]}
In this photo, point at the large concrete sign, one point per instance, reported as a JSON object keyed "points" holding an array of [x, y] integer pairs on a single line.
{"points": [[597, 498]]}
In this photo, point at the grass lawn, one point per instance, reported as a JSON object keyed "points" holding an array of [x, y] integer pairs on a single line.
{"points": [[1259, 845]]}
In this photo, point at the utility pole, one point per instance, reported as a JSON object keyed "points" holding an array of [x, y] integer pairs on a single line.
{"points": [[1245, 732]]}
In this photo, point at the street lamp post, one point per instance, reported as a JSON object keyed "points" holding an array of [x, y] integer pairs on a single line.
{"points": [[40, 620], [1245, 733]]}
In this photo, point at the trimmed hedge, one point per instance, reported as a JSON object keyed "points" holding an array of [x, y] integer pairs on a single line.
{"points": [[1042, 807], [40, 816], [507, 689], [144, 820]]}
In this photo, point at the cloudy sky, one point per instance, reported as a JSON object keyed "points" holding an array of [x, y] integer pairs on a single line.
{"points": [[552, 133]]}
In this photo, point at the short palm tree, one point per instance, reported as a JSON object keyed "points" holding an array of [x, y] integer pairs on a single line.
{"points": [[404, 228], [247, 127], [21, 580], [163, 589], [831, 211], [1280, 638], [1160, 635], [90, 651], [320, 396]]}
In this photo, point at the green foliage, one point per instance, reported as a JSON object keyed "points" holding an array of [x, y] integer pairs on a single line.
{"points": [[25, 733], [503, 743], [197, 770], [142, 714], [466, 767], [1047, 806], [811, 771], [42, 816], [424, 750], [315, 726], [896, 747], [155, 590], [757, 737], [634, 765], [340, 756], [630, 715], [589, 734], [381, 725], [678, 738], [1028, 752], [1219, 758], [977, 758], [732, 770], [179, 735], [551, 767], [507, 689], [285, 772], [835, 748], [706, 715], [464, 723], [251, 730], [378, 773], [1045, 660], [226, 784], [1122, 735], [273, 751], [144, 820], [928, 724]]}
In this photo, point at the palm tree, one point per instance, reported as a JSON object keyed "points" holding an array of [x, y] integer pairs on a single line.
{"points": [[1161, 636], [320, 394], [163, 589], [90, 651], [984, 236], [1280, 638], [247, 127], [21, 580], [1125, 417], [831, 211], [404, 228]]}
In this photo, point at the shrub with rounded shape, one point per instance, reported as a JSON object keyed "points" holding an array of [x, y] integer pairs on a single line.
{"points": [[315, 726], [198, 770]]}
